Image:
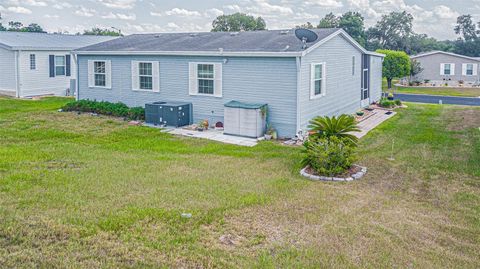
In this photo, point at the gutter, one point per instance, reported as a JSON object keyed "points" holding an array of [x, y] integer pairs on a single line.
{"points": [[192, 53], [77, 81]]}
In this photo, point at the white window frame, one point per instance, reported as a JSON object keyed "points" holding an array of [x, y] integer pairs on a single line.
{"points": [[104, 74], [64, 65], [322, 79], [33, 61], [210, 79], [452, 69], [140, 75], [473, 69], [194, 87]]}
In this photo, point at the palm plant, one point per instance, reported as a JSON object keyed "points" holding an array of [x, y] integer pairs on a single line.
{"points": [[341, 127]]}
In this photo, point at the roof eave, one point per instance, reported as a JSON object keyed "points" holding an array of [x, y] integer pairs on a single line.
{"points": [[444, 52], [192, 53], [43, 48]]}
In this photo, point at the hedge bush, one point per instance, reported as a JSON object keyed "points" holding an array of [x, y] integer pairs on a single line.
{"points": [[329, 156], [106, 108]]}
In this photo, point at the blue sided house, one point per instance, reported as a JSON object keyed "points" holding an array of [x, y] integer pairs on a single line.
{"points": [[324, 73]]}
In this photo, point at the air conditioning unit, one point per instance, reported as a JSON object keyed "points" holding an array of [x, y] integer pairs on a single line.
{"points": [[174, 114]]}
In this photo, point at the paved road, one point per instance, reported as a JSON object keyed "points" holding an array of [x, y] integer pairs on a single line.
{"points": [[435, 99]]}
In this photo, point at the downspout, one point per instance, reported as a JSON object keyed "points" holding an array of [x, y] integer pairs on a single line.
{"points": [[77, 81], [17, 74], [299, 66]]}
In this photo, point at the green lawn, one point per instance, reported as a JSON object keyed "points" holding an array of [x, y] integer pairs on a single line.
{"points": [[445, 91], [80, 191]]}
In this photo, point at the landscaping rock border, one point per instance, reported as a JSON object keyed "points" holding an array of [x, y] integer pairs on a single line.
{"points": [[355, 176]]}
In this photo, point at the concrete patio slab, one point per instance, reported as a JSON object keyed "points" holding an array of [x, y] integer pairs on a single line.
{"points": [[376, 118], [215, 135]]}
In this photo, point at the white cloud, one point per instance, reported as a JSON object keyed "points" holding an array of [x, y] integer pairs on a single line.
{"points": [[119, 4], [233, 8], [264, 7], [213, 12], [157, 14], [33, 3], [19, 10], [127, 17], [62, 5], [325, 3], [85, 12], [445, 12], [48, 16], [182, 12]]}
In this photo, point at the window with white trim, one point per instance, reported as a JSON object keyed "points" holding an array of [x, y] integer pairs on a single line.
{"points": [[145, 76], [60, 65], [447, 69], [33, 62], [469, 70], [318, 79], [206, 78], [100, 74]]}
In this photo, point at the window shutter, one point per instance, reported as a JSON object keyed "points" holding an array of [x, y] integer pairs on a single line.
{"points": [[452, 69], [193, 82], [218, 80], [51, 61], [135, 79], [91, 78], [464, 69], [312, 81], [475, 69], [67, 65], [324, 79], [442, 69], [156, 76], [108, 74]]}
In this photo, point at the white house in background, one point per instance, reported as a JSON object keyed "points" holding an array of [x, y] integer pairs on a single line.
{"points": [[39, 63]]}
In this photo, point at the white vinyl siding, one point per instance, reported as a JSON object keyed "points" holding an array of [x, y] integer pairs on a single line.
{"points": [[33, 62], [469, 69], [100, 74], [205, 79], [318, 80], [447, 69], [146, 76], [353, 65], [60, 65]]}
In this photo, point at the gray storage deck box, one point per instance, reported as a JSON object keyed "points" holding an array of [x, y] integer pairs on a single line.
{"points": [[244, 119]]}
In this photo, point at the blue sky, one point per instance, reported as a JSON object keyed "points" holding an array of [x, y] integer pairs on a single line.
{"points": [[433, 17]]}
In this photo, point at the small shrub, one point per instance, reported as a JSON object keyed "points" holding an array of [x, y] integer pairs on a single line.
{"points": [[386, 103], [106, 108], [328, 156], [341, 127], [398, 102]]}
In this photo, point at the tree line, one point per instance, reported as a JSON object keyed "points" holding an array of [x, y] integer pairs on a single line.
{"points": [[394, 31]]}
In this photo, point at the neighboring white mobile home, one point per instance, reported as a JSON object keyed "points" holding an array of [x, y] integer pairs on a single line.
{"points": [[39, 63]]}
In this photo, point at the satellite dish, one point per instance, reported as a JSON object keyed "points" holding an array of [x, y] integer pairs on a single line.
{"points": [[306, 36]]}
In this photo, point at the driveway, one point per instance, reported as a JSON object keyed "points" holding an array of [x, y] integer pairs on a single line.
{"points": [[435, 99]]}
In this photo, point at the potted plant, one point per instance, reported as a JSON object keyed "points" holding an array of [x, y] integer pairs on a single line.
{"points": [[390, 96], [271, 133], [460, 83]]}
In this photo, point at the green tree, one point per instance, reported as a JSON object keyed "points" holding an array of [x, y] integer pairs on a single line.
{"points": [[395, 65], [15, 26], [353, 24], [307, 25], [104, 32], [2, 28], [329, 21], [238, 22], [466, 28], [34, 28], [415, 68], [392, 31]]}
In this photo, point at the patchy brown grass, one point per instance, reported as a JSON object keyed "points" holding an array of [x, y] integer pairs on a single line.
{"points": [[80, 191]]}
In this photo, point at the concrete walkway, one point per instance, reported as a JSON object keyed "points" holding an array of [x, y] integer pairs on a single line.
{"points": [[435, 99], [376, 118], [215, 135]]}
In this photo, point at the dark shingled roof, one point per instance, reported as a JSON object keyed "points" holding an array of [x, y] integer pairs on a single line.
{"points": [[254, 41]]}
